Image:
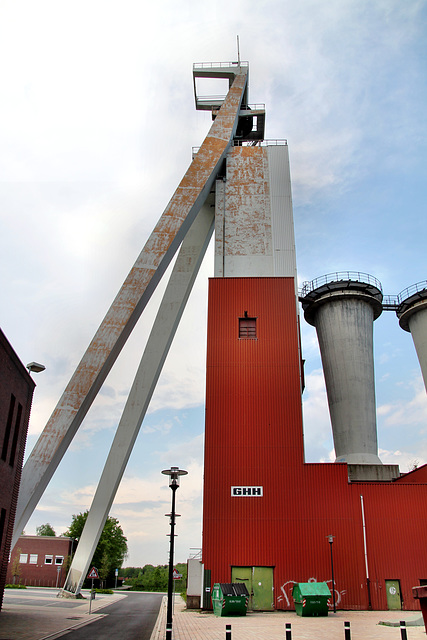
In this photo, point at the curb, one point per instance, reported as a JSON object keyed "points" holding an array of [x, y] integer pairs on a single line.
{"points": [[161, 619]]}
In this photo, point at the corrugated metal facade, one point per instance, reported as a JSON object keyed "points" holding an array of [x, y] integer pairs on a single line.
{"points": [[254, 439]]}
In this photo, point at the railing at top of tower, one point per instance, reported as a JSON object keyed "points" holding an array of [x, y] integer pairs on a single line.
{"points": [[219, 65], [412, 290], [389, 302], [260, 106], [337, 276], [260, 143], [249, 143]]}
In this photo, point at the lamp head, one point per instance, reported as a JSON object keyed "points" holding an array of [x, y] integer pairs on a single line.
{"points": [[35, 367], [174, 473]]}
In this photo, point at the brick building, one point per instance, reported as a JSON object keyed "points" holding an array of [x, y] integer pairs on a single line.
{"points": [[43, 561], [16, 393]]}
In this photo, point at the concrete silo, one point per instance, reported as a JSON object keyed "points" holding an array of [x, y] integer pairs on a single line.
{"points": [[342, 307], [412, 314]]}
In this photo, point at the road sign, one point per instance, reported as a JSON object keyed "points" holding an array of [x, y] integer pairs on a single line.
{"points": [[177, 575], [93, 574]]}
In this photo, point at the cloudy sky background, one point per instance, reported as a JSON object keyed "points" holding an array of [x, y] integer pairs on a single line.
{"points": [[97, 122]]}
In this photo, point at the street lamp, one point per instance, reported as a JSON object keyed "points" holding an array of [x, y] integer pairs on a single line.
{"points": [[35, 367], [330, 540], [173, 473]]}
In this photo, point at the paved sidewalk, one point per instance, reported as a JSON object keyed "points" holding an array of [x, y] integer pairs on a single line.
{"points": [[364, 625], [39, 615]]}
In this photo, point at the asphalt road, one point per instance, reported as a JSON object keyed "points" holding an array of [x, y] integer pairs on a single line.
{"points": [[132, 618]]}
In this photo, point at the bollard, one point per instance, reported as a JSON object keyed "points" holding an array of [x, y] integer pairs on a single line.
{"points": [[228, 632], [347, 634], [288, 631], [403, 630]]}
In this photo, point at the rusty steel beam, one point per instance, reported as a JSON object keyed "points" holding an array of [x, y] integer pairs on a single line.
{"points": [[165, 325], [128, 305]]}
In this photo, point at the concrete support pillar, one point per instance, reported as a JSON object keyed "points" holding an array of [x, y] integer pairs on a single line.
{"points": [[343, 311], [412, 314]]}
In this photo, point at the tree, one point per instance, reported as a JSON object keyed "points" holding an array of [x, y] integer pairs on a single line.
{"points": [[112, 546], [151, 578], [16, 566], [45, 530], [104, 568]]}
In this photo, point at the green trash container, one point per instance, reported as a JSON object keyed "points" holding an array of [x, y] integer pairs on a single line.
{"points": [[311, 598], [230, 599]]}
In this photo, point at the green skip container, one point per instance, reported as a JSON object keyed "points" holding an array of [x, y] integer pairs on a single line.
{"points": [[230, 599], [311, 598]]}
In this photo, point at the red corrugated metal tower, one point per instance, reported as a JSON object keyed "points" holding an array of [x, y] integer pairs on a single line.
{"points": [[267, 514]]}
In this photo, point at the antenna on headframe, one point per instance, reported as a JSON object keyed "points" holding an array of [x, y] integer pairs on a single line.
{"points": [[238, 51]]}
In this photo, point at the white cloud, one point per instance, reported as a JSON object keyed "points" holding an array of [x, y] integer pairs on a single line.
{"points": [[317, 425], [407, 414]]}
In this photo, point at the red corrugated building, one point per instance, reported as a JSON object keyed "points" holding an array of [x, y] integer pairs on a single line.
{"points": [[267, 514]]}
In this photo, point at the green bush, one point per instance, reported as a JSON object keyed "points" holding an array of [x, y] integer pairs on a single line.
{"points": [[107, 591], [15, 586], [150, 578]]}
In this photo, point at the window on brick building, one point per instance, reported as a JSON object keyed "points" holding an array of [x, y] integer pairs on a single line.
{"points": [[33, 558], [9, 424], [2, 524], [48, 559], [247, 328], [23, 558], [59, 559], [16, 435]]}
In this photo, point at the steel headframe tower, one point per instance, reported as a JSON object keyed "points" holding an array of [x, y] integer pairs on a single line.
{"points": [[187, 223]]}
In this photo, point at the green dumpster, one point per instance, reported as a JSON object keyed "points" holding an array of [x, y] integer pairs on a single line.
{"points": [[311, 598], [230, 599]]}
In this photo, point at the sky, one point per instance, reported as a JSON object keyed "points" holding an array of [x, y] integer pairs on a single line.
{"points": [[97, 123]]}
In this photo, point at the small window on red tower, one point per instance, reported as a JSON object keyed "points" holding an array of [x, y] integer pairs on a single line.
{"points": [[247, 328]]}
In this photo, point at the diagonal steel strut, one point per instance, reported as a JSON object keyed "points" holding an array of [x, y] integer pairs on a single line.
{"points": [[165, 325], [128, 306]]}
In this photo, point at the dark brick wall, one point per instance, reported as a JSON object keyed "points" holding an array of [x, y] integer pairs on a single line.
{"points": [[16, 393], [35, 571]]}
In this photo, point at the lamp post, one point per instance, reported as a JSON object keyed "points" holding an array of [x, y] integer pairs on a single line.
{"points": [[330, 540], [173, 473]]}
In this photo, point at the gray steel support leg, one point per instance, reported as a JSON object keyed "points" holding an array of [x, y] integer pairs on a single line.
{"points": [[128, 305], [161, 336]]}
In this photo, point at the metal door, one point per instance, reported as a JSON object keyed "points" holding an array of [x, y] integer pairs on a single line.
{"points": [[259, 583], [262, 588], [392, 588], [243, 574]]}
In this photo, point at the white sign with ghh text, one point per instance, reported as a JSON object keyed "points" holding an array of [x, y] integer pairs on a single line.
{"points": [[246, 492]]}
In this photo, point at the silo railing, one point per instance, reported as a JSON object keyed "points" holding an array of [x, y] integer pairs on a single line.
{"points": [[340, 276], [412, 291]]}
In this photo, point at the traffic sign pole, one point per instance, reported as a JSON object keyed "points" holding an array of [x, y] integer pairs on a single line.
{"points": [[93, 575], [90, 598]]}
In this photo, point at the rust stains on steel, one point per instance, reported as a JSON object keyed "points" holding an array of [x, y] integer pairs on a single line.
{"points": [[247, 230], [129, 304]]}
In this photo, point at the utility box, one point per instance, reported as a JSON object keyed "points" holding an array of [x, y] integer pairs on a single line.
{"points": [[311, 598], [194, 583], [230, 599]]}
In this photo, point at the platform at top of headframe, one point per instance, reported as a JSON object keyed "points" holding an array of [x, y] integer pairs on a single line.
{"points": [[254, 123], [227, 70]]}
